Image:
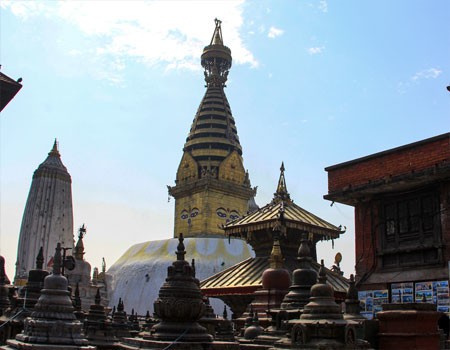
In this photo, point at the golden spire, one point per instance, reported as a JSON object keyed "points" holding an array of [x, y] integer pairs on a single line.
{"points": [[282, 193], [276, 258], [217, 35], [216, 59]]}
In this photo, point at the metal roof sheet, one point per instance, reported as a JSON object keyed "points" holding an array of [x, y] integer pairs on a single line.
{"points": [[294, 216], [248, 275]]}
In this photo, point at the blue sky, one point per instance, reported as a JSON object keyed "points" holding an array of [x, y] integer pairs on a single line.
{"points": [[313, 83]]}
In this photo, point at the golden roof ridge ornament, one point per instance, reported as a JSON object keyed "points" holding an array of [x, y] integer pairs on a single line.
{"points": [[282, 194], [216, 59]]}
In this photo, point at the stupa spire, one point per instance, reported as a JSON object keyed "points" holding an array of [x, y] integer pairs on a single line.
{"points": [[79, 248], [55, 151], [212, 156], [216, 59], [217, 35]]}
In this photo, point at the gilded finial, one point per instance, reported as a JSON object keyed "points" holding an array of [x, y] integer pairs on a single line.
{"points": [[276, 257], [217, 35], [216, 59], [282, 194]]}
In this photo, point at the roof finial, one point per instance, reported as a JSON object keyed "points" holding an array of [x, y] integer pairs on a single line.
{"points": [[54, 151], [276, 257], [216, 59], [40, 259], [282, 193], [57, 260], [180, 248], [217, 35], [79, 248]]}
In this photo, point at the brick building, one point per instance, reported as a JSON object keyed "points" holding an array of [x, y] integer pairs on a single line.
{"points": [[402, 219]]}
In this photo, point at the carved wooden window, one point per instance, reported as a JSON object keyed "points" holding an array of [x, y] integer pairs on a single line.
{"points": [[410, 229]]}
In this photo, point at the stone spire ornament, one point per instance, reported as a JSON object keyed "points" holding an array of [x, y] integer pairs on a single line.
{"points": [[30, 294], [303, 279], [52, 323], [97, 328], [322, 304], [352, 303], [321, 325], [119, 321]]}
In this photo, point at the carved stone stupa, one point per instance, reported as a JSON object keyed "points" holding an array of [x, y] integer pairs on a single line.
{"points": [[30, 294], [179, 308], [180, 304], [52, 324], [321, 325]]}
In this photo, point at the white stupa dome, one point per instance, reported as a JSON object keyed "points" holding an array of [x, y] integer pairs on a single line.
{"points": [[139, 273]]}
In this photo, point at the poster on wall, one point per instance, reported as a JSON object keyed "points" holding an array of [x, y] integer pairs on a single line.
{"points": [[436, 292], [371, 301], [402, 292]]}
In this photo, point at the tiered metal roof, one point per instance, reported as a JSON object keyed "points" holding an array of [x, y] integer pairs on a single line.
{"points": [[294, 216]]}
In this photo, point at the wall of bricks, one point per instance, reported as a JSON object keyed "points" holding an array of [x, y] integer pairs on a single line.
{"points": [[414, 157]]}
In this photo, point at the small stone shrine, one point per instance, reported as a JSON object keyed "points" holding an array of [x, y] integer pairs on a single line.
{"points": [[52, 325], [29, 295], [321, 325], [120, 324], [179, 308], [303, 279], [180, 304], [97, 327]]}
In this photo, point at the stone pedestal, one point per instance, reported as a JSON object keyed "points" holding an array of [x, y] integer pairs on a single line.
{"points": [[408, 326]]}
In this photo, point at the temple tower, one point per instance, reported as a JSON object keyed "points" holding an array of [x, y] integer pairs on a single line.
{"points": [[48, 215], [211, 186]]}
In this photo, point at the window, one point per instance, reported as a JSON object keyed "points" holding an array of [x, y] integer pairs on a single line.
{"points": [[410, 229]]}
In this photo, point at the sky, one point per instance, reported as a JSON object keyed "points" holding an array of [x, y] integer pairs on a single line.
{"points": [[313, 84]]}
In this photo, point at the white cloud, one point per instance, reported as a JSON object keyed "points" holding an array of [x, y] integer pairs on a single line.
{"points": [[171, 33], [274, 32], [315, 50], [323, 6], [430, 73]]}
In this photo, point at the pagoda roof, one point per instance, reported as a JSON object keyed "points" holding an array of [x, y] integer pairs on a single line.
{"points": [[246, 277], [283, 208], [295, 217]]}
